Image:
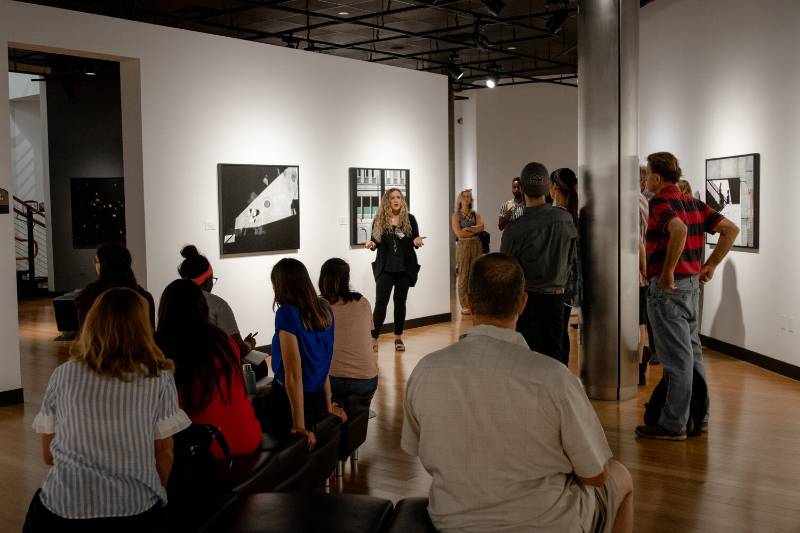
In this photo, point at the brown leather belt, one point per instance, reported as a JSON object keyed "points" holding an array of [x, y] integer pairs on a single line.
{"points": [[551, 290]]}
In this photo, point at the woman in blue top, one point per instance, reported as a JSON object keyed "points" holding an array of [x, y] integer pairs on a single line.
{"points": [[302, 349]]}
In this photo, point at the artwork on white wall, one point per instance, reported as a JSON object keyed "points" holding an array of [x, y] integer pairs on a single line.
{"points": [[98, 211], [259, 208], [367, 186], [732, 189]]}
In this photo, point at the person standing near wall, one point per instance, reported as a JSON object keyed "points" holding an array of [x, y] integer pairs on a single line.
{"points": [[543, 240], [675, 241], [564, 191], [645, 330], [512, 209], [466, 223], [395, 236]]}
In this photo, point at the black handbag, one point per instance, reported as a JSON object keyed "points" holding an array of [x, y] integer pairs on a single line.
{"points": [[484, 238], [195, 469]]}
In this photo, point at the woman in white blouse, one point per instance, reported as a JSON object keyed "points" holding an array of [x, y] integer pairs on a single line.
{"points": [[107, 420]]}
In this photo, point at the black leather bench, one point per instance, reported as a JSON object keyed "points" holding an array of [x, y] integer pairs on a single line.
{"points": [[411, 516], [304, 513], [66, 312], [354, 431]]}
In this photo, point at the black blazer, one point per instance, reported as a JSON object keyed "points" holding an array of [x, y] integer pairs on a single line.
{"points": [[409, 253]]}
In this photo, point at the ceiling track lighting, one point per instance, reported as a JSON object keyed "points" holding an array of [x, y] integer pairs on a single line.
{"points": [[491, 80], [556, 22]]}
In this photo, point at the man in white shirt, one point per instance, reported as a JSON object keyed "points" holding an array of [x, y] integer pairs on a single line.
{"points": [[508, 434]]}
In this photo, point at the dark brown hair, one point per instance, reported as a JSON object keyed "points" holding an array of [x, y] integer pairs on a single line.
{"points": [[206, 361], [334, 281], [496, 284], [566, 181], [665, 165], [292, 285], [117, 340]]}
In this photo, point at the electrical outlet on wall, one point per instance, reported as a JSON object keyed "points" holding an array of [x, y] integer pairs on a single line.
{"points": [[342, 221], [210, 225]]}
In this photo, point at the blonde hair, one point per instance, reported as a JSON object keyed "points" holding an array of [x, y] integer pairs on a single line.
{"points": [[382, 222], [116, 339], [685, 186], [457, 204]]}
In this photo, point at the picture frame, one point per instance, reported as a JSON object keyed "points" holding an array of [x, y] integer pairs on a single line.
{"points": [[732, 188], [367, 187]]}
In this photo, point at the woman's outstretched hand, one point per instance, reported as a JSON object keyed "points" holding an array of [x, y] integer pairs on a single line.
{"points": [[370, 245], [418, 242]]}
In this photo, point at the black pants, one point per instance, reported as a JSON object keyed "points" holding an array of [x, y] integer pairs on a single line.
{"points": [[541, 323], [565, 344], [41, 519], [644, 319], [274, 411], [383, 287]]}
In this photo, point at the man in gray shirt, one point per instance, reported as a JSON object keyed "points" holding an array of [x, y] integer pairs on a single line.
{"points": [[543, 241], [531, 455]]}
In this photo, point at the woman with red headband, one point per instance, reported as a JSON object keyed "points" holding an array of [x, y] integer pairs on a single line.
{"points": [[198, 269]]}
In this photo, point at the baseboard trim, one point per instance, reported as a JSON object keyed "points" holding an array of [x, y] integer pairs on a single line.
{"points": [[773, 365], [420, 322], [388, 328], [11, 397]]}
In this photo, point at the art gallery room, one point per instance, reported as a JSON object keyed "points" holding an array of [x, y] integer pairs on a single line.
{"points": [[378, 266]]}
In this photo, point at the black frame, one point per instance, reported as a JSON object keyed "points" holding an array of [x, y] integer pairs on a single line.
{"points": [[221, 226], [353, 171], [756, 196]]}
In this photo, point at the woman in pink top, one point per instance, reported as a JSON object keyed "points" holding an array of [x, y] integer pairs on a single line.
{"points": [[354, 370]]}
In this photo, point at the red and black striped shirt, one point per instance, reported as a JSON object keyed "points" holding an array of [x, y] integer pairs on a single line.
{"points": [[699, 219]]}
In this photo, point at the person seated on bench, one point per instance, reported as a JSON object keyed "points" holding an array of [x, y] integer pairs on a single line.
{"points": [[112, 262], [508, 434], [207, 368], [354, 370], [197, 268], [302, 348], [107, 420]]}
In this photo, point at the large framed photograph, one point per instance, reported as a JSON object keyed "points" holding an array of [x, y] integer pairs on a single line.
{"points": [[259, 208], [98, 211], [732, 189], [367, 186]]}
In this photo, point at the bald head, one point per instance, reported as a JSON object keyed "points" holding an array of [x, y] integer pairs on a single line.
{"points": [[496, 286]]}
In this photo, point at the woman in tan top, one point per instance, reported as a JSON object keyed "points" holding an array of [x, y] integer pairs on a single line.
{"points": [[354, 370], [466, 224]]}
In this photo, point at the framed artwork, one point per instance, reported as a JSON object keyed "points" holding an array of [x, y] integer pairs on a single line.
{"points": [[732, 189], [367, 186], [98, 211], [259, 208]]}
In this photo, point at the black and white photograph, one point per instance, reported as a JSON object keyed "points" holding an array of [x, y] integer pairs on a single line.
{"points": [[732, 189], [367, 186], [259, 208], [98, 211]]}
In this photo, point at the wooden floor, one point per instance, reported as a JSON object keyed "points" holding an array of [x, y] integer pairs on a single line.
{"points": [[744, 476]]}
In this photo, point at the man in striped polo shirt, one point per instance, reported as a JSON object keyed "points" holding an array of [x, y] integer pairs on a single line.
{"points": [[674, 242]]}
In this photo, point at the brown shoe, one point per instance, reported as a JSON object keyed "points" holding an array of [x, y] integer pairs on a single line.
{"points": [[399, 346]]}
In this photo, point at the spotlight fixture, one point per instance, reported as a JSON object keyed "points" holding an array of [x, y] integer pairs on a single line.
{"points": [[494, 6], [456, 72], [343, 13], [511, 48], [494, 70], [491, 81], [556, 22], [479, 36], [90, 71]]}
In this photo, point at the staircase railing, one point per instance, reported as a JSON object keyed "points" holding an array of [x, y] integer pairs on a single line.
{"points": [[30, 238]]}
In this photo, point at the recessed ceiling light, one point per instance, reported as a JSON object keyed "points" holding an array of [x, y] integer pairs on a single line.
{"points": [[344, 13], [511, 48]]}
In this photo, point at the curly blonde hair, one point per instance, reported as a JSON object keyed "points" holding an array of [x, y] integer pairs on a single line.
{"points": [[457, 204], [382, 222]]}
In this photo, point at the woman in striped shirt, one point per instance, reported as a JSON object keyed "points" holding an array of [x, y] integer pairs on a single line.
{"points": [[107, 420]]}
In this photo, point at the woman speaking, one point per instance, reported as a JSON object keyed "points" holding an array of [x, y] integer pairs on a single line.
{"points": [[395, 236]]}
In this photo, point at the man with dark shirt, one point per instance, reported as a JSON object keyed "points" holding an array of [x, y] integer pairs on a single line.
{"points": [[675, 243], [543, 241]]}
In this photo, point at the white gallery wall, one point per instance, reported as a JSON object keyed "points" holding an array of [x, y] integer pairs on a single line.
{"points": [[207, 100], [514, 126], [720, 78]]}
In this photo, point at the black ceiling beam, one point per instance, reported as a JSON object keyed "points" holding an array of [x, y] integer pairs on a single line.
{"points": [[489, 17], [307, 13]]}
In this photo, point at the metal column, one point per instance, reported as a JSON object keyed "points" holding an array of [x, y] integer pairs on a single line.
{"points": [[608, 55]]}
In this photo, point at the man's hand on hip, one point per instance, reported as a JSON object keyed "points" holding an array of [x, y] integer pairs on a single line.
{"points": [[706, 273], [667, 281]]}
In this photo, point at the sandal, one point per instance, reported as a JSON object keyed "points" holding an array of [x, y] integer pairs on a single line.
{"points": [[399, 346]]}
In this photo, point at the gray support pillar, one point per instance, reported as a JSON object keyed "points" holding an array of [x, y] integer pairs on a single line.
{"points": [[608, 55]]}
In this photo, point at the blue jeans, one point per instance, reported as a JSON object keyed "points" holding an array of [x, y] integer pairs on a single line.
{"points": [[343, 388], [674, 317]]}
